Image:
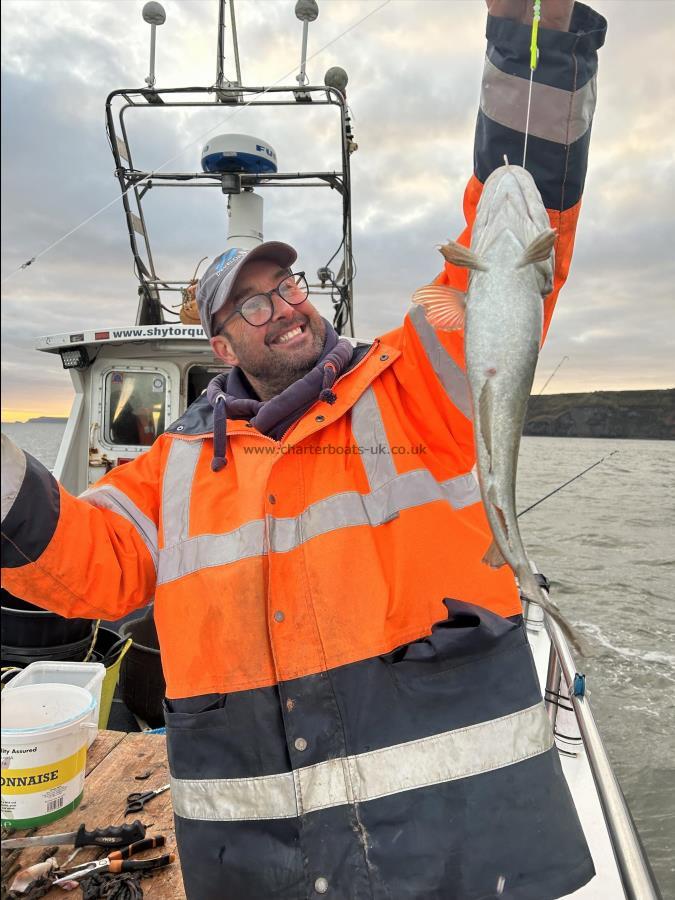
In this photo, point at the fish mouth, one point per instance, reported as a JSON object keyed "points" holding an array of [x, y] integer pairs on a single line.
{"points": [[509, 192], [510, 200]]}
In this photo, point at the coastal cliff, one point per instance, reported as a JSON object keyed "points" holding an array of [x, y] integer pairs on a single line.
{"points": [[601, 414], [604, 414]]}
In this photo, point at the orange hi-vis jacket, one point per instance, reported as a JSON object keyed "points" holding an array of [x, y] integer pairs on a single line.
{"points": [[352, 707]]}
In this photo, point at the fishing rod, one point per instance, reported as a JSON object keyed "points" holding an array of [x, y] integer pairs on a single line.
{"points": [[560, 487], [550, 377]]}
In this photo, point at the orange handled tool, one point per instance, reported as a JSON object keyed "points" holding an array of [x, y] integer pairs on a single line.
{"points": [[119, 861]]}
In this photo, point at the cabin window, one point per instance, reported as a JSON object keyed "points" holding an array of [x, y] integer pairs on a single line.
{"points": [[198, 378], [136, 407]]}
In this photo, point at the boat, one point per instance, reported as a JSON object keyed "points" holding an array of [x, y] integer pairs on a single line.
{"points": [[130, 382]]}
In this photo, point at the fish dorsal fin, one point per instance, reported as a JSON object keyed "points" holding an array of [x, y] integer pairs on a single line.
{"points": [[443, 306], [539, 249], [459, 255]]}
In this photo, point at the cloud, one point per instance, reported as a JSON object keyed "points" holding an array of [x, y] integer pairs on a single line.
{"points": [[414, 73]]}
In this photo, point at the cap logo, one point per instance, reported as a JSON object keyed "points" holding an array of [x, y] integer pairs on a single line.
{"points": [[228, 257]]}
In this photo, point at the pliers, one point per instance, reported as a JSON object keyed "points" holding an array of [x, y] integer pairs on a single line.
{"points": [[118, 861]]}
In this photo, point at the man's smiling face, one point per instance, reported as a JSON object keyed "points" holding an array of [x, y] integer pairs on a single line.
{"points": [[274, 355]]}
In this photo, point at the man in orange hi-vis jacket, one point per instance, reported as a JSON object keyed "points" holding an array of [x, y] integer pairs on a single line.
{"points": [[352, 707]]}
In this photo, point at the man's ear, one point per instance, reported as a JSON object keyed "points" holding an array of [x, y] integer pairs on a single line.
{"points": [[222, 347]]}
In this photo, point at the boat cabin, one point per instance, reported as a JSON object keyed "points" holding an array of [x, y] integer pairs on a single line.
{"points": [[130, 383]]}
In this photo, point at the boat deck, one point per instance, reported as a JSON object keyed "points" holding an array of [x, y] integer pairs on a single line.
{"points": [[113, 761]]}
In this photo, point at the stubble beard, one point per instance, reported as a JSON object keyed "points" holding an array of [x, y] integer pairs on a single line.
{"points": [[276, 372]]}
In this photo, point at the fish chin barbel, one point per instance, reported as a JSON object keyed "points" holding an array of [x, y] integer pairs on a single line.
{"points": [[511, 265]]}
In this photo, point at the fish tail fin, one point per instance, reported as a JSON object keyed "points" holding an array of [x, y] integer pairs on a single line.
{"points": [[444, 306]]}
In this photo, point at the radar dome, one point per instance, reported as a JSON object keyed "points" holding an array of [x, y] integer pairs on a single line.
{"points": [[238, 153]]}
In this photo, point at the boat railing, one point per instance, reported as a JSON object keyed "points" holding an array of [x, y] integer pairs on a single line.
{"points": [[136, 183], [636, 875]]}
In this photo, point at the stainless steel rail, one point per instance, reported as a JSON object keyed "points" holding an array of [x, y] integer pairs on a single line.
{"points": [[636, 875]]}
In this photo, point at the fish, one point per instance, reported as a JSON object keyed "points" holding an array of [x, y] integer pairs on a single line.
{"points": [[511, 263]]}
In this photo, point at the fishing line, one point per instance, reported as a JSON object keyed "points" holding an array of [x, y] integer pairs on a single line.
{"points": [[522, 512], [534, 59], [197, 140]]}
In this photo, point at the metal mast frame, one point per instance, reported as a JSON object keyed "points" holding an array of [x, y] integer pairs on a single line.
{"points": [[135, 183]]}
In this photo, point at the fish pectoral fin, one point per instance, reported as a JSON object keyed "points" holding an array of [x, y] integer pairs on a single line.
{"points": [[494, 557], [539, 249], [459, 255], [444, 306]]}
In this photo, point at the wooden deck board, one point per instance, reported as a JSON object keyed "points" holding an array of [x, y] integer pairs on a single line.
{"points": [[104, 743], [112, 762]]}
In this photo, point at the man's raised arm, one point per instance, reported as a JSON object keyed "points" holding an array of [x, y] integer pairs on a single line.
{"points": [[561, 115]]}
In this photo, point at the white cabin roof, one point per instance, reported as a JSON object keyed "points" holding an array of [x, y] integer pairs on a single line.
{"points": [[119, 334]]}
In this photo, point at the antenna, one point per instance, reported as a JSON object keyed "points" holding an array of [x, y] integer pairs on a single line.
{"points": [[222, 83], [307, 11], [154, 15], [235, 43]]}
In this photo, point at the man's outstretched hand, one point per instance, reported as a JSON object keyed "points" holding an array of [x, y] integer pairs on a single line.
{"points": [[554, 13]]}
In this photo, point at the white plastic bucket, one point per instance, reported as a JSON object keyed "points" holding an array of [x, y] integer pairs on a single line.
{"points": [[45, 732], [87, 675]]}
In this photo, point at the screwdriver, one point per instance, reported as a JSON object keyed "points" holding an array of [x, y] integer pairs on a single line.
{"points": [[112, 837]]}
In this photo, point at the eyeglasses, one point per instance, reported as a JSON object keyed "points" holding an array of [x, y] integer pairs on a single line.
{"points": [[259, 309]]}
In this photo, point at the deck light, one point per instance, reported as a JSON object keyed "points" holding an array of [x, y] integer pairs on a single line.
{"points": [[75, 358]]}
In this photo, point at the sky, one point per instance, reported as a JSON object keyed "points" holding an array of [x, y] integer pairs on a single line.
{"points": [[414, 71]]}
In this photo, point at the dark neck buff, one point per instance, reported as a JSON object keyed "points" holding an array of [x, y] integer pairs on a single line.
{"points": [[230, 396]]}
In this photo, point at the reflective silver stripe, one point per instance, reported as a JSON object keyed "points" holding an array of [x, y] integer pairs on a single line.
{"points": [[209, 550], [370, 435], [108, 497], [438, 759], [447, 371], [351, 508], [345, 510], [13, 473], [177, 490], [555, 115], [461, 491]]}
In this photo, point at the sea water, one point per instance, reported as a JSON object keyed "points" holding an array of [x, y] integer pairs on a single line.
{"points": [[607, 544]]}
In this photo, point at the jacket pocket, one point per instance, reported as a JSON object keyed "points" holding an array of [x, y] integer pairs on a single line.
{"points": [[195, 712], [468, 635]]}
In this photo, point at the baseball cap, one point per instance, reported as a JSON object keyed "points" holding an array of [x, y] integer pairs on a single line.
{"points": [[216, 284]]}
